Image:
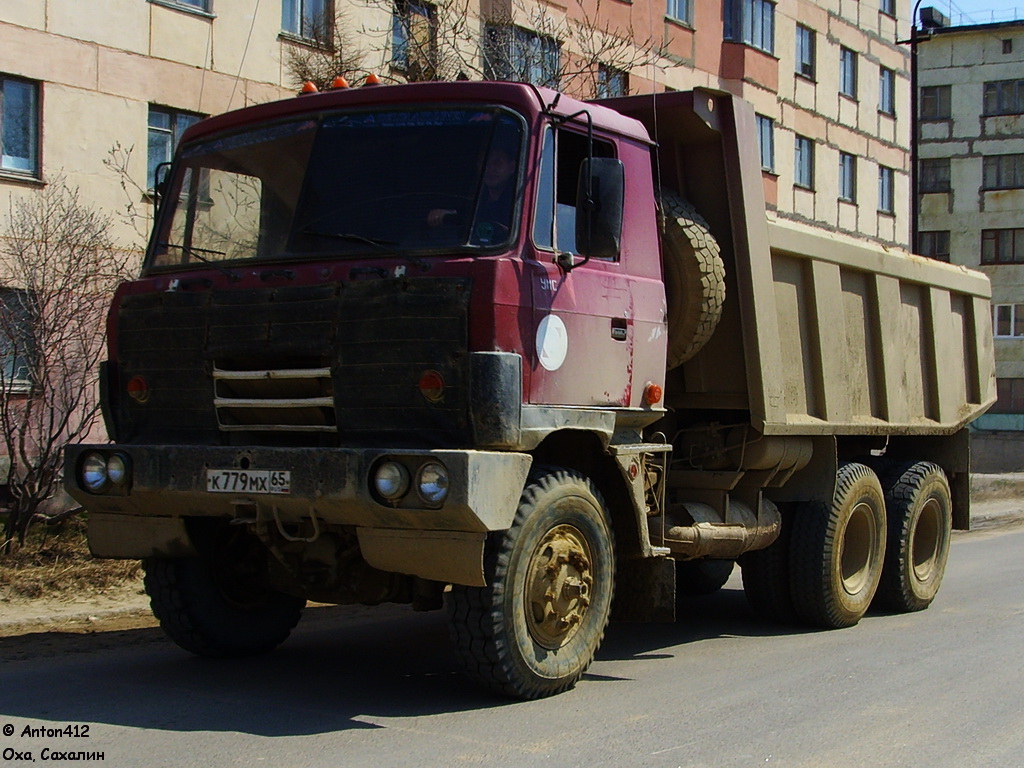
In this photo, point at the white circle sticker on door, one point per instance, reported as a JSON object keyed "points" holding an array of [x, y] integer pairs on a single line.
{"points": [[552, 342]]}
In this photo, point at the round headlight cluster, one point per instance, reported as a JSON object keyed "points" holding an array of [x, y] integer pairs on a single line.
{"points": [[392, 481], [99, 471]]}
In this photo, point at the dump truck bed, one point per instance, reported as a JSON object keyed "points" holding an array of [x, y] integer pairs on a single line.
{"points": [[821, 333]]}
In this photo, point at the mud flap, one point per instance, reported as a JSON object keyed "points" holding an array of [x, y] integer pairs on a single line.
{"points": [[645, 590]]}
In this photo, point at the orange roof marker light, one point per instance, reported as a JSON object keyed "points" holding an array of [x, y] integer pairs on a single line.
{"points": [[339, 82], [308, 87], [371, 79]]}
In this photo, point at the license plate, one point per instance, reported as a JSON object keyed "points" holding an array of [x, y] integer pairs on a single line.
{"points": [[248, 481]]}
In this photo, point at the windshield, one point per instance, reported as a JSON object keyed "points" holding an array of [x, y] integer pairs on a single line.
{"points": [[355, 183]]}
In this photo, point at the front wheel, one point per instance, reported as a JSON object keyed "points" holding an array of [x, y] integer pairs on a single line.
{"points": [[219, 604], [535, 629]]}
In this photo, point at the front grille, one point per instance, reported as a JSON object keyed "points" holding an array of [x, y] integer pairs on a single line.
{"points": [[275, 400], [332, 364]]}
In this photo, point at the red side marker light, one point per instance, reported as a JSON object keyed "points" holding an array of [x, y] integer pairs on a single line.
{"points": [[652, 393], [138, 389], [432, 386]]}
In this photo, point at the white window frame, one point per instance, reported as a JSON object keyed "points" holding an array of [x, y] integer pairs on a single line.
{"points": [[1012, 313], [848, 72], [766, 142], [847, 177], [886, 190], [518, 54], [14, 90], [299, 18], [805, 52], [751, 22], [611, 82], [887, 91], [164, 137], [803, 162], [680, 10]]}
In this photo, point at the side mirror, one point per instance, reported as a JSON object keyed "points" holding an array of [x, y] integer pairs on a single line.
{"points": [[599, 206], [161, 176]]}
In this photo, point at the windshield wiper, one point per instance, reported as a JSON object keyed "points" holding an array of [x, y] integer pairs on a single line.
{"points": [[198, 253], [382, 245]]}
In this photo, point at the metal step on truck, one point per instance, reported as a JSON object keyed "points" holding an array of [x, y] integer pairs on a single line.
{"points": [[488, 347]]}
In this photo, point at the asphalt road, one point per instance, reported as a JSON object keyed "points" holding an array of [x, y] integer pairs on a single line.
{"points": [[362, 687]]}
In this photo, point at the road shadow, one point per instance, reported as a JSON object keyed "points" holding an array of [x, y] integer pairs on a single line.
{"points": [[342, 667]]}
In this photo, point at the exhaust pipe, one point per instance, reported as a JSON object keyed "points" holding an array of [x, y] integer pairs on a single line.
{"points": [[707, 536]]}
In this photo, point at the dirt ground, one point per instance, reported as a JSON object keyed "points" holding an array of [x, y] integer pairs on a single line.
{"points": [[70, 597]]}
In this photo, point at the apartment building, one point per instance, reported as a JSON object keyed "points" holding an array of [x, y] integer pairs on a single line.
{"points": [[971, 183], [828, 79]]}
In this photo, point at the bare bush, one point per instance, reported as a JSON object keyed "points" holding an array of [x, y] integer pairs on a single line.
{"points": [[59, 267]]}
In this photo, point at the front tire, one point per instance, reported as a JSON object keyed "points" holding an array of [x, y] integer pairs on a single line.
{"points": [[837, 551], [535, 629], [218, 604], [920, 511]]}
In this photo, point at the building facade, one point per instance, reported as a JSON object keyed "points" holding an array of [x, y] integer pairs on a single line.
{"points": [[971, 183], [84, 83]]}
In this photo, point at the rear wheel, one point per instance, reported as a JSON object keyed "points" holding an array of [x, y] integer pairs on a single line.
{"points": [[219, 604], [920, 512], [766, 578], [838, 550], [535, 629]]}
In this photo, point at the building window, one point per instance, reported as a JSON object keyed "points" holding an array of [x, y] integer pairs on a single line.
{"points": [[888, 7], [934, 245], [847, 177], [1003, 172], [887, 91], [935, 101], [751, 22], [310, 19], [18, 311], [679, 10], [1008, 320], [848, 72], [886, 190], [803, 171], [1004, 97], [935, 175], [1007, 46], [1010, 396], [202, 5], [1002, 246], [165, 129], [414, 39], [19, 126], [804, 51], [513, 53], [766, 137], [611, 82]]}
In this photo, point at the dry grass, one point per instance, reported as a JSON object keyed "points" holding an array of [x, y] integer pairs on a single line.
{"points": [[56, 564]]}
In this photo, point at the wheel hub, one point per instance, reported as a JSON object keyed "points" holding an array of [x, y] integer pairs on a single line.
{"points": [[558, 586]]}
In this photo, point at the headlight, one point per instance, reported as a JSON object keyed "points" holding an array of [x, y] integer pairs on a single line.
{"points": [[117, 469], [93, 473], [432, 482], [391, 480]]}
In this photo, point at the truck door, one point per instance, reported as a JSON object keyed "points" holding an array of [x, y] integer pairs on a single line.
{"points": [[583, 320]]}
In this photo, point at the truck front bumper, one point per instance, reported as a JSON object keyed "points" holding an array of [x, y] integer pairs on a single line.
{"points": [[142, 515]]}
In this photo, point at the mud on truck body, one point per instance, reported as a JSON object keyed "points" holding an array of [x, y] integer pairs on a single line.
{"points": [[630, 382]]}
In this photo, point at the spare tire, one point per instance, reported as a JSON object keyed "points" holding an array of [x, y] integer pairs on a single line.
{"points": [[694, 278]]}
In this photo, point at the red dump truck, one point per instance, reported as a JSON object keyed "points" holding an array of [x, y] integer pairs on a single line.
{"points": [[541, 361]]}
